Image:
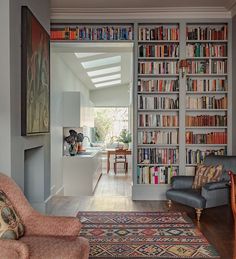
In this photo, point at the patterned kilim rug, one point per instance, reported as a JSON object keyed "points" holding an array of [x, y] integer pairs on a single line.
{"points": [[143, 235]]}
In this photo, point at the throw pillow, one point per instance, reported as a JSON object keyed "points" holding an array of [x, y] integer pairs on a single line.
{"points": [[11, 226], [205, 174]]}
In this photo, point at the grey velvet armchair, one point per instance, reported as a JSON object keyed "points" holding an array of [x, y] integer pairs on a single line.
{"points": [[210, 195]]}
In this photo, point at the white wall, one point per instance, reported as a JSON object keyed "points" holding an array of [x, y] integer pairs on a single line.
{"points": [[62, 79], [116, 96], [13, 145], [234, 86]]}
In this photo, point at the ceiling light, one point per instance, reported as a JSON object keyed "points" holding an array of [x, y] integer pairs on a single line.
{"points": [[104, 71], [101, 62], [105, 78], [115, 82], [85, 55]]}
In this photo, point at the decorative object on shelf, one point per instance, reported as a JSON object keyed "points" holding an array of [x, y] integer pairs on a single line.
{"points": [[125, 137], [75, 141], [183, 65], [35, 76]]}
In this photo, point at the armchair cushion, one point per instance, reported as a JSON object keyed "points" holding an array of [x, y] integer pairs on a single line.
{"points": [[190, 197], [182, 182], [205, 174], [11, 226]]}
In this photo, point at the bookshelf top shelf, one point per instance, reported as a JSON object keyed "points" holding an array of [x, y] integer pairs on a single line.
{"points": [[89, 41]]}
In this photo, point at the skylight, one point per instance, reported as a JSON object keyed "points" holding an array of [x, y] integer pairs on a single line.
{"points": [[101, 62], [85, 55], [115, 82], [104, 71], [105, 78]]}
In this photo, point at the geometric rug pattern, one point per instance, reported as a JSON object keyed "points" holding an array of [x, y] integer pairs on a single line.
{"points": [[143, 235]]}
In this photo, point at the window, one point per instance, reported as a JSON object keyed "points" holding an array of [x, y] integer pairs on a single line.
{"points": [[109, 123]]}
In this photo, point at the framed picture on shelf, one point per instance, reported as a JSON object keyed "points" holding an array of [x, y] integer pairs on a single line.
{"points": [[35, 76]]}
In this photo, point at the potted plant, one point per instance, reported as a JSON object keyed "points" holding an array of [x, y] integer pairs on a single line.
{"points": [[125, 137]]}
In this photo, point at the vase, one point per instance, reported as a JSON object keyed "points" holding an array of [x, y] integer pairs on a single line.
{"points": [[73, 149]]}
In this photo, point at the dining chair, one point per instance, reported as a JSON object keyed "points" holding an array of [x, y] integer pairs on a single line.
{"points": [[120, 158]]}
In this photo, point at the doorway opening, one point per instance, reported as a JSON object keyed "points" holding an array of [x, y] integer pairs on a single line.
{"points": [[103, 74]]}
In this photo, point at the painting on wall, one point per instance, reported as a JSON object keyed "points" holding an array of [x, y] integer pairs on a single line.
{"points": [[35, 76]]}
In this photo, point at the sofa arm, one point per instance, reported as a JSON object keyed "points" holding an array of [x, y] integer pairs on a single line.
{"points": [[182, 182], [216, 185], [41, 225], [14, 249]]}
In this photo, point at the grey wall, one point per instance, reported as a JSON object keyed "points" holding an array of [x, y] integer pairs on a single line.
{"points": [[111, 97], [13, 145], [5, 136], [234, 85]]}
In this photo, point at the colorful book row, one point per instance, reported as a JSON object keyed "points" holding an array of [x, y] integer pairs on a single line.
{"points": [[158, 33], [206, 138], [158, 68], [206, 50], [207, 33], [198, 156], [92, 33], [207, 67], [162, 85], [206, 120], [159, 51], [206, 102], [206, 85], [157, 137], [156, 174], [157, 120], [158, 156], [157, 102]]}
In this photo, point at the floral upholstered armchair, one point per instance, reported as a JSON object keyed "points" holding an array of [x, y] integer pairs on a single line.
{"points": [[42, 236]]}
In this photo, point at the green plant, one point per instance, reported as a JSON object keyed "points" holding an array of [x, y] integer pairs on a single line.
{"points": [[125, 136]]}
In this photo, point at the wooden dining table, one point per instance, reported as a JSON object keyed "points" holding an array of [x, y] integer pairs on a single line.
{"points": [[113, 152]]}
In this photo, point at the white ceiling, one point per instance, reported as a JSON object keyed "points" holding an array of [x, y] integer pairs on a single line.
{"points": [[66, 52]]}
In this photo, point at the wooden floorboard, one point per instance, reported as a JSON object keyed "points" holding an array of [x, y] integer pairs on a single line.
{"points": [[113, 194]]}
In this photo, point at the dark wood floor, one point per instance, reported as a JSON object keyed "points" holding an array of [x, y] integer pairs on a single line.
{"points": [[216, 224]]}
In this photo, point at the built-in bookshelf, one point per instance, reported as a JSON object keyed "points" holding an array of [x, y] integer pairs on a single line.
{"points": [[91, 32], [206, 91], [180, 115], [157, 104]]}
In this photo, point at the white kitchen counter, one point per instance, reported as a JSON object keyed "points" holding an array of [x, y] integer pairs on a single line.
{"points": [[81, 173]]}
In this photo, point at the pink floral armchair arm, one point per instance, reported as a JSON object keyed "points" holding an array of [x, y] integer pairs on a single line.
{"points": [[14, 249], [37, 224]]}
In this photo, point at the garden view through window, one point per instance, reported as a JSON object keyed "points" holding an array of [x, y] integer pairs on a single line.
{"points": [[110, 124]]}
